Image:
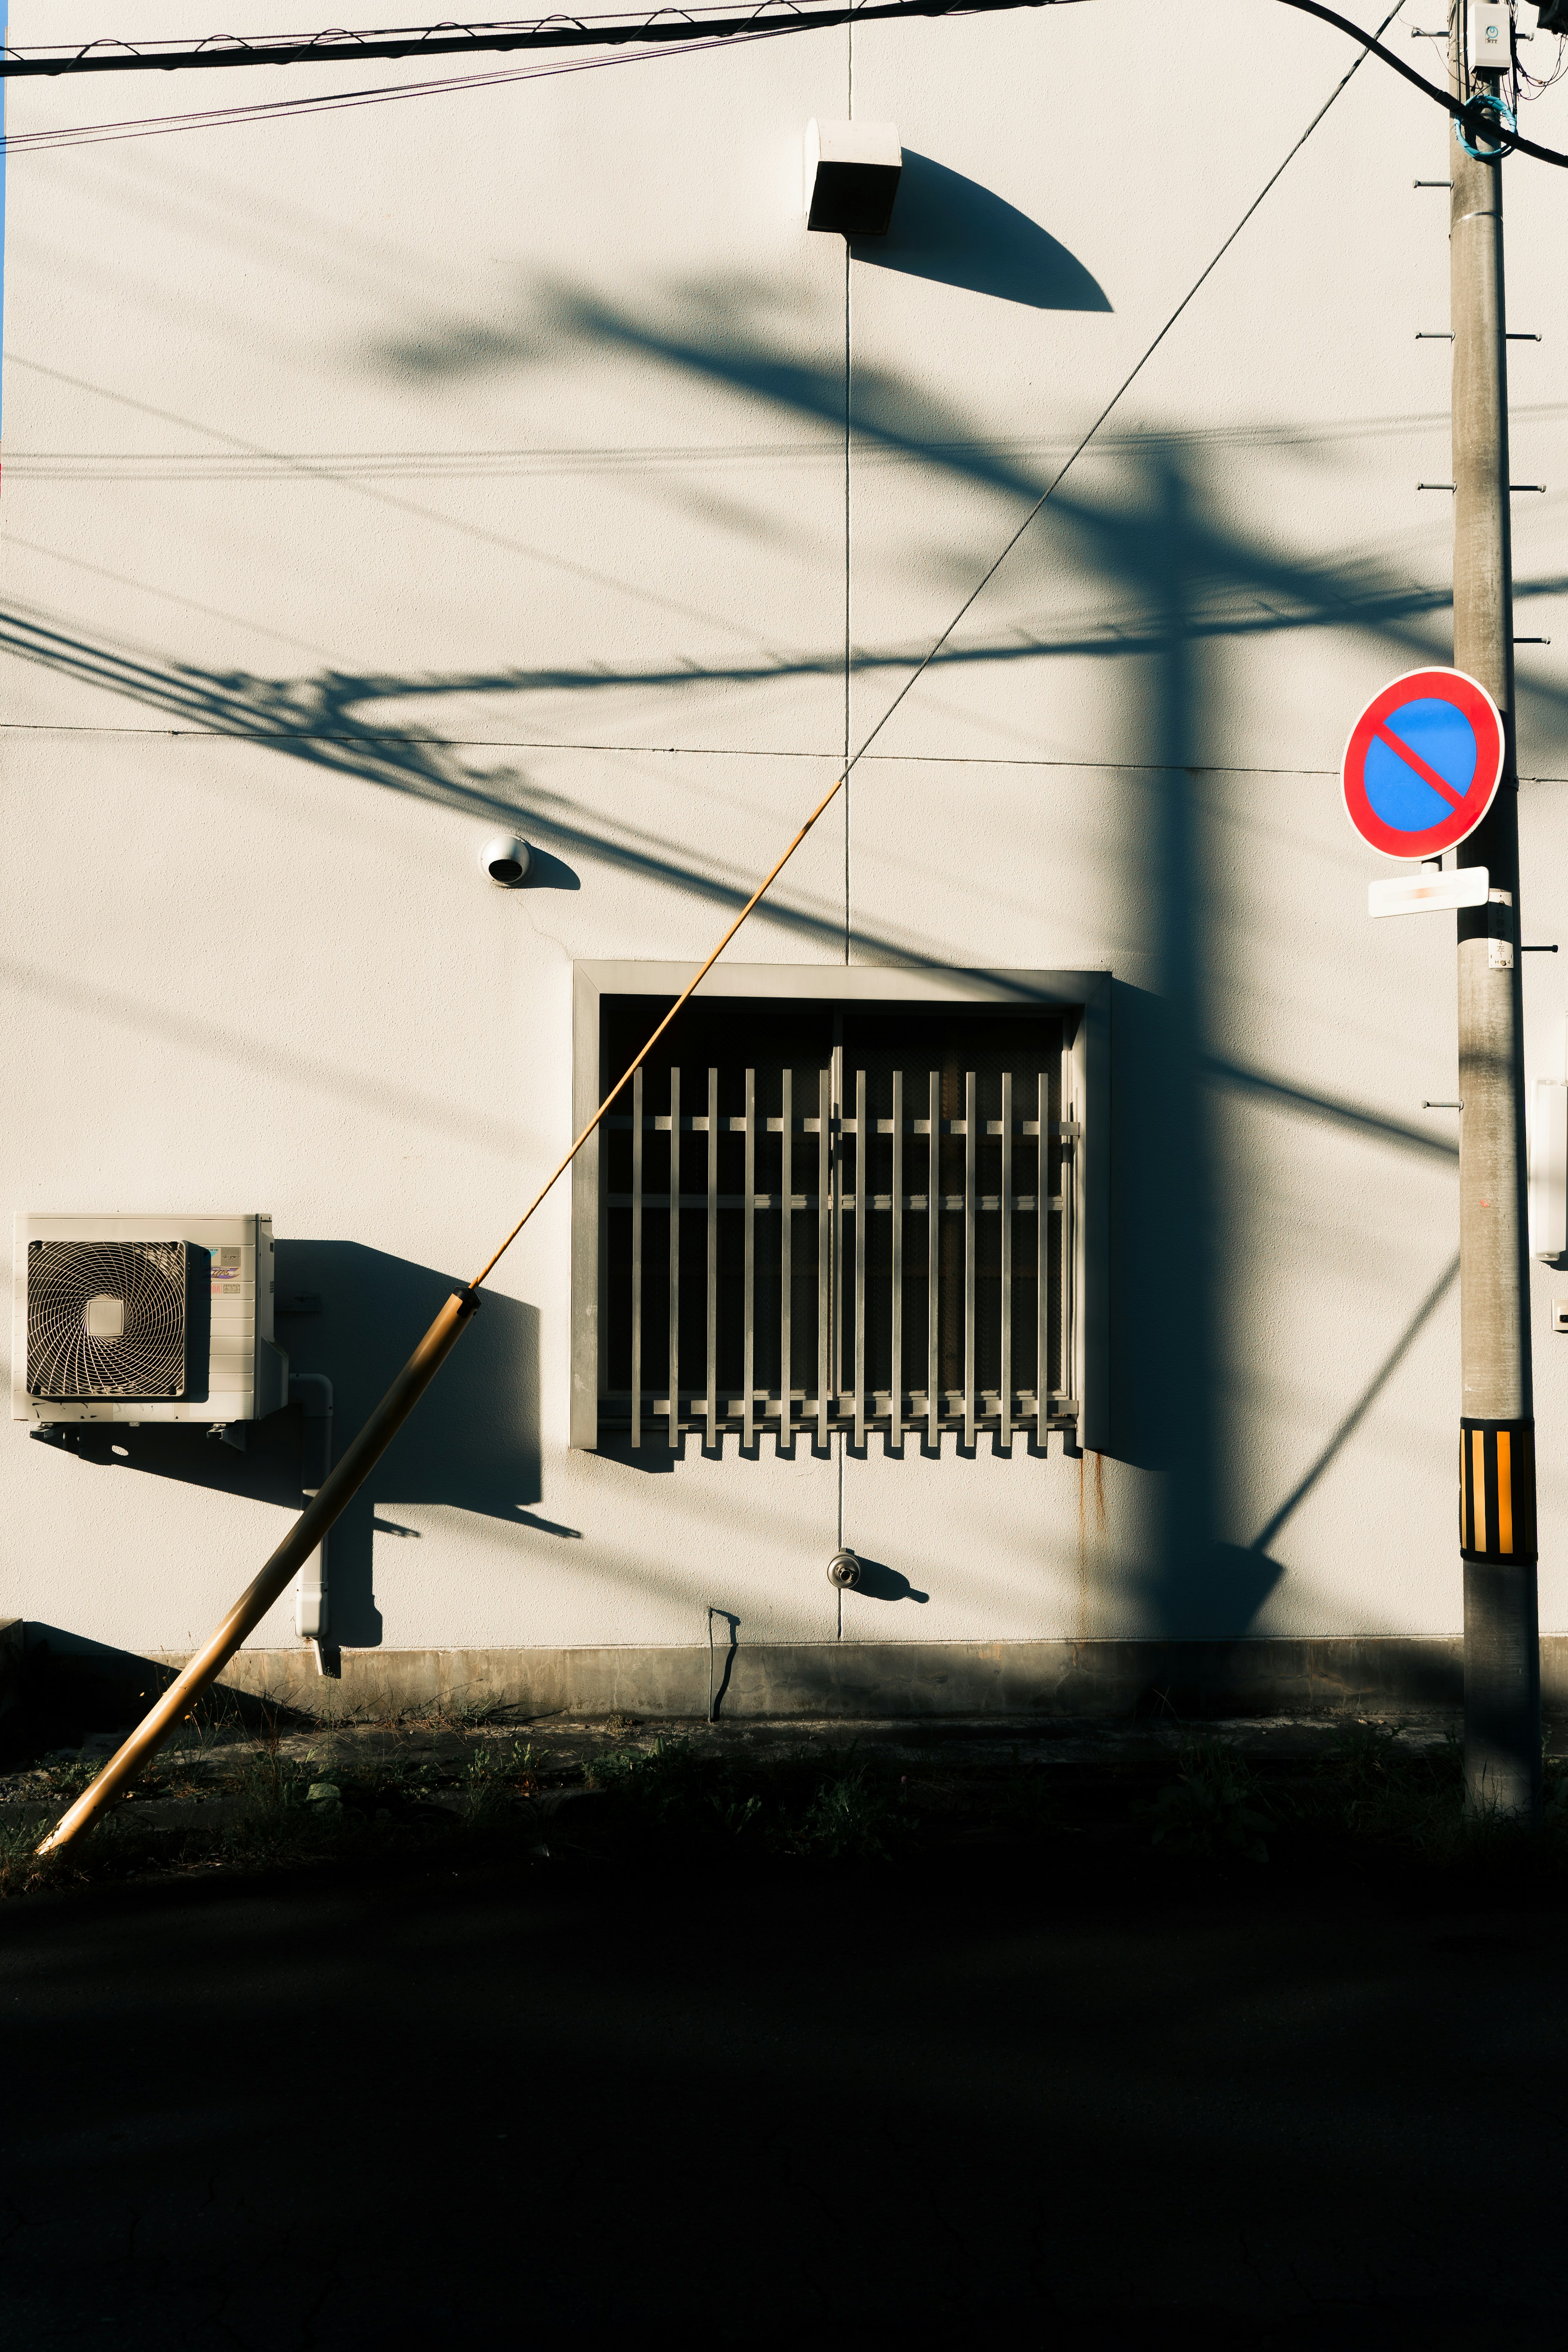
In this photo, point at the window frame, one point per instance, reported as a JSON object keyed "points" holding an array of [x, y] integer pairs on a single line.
{"points": [[1087, 993]]}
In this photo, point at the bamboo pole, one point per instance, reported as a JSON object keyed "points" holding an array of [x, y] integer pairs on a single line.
{"points": [[360, 1458]]}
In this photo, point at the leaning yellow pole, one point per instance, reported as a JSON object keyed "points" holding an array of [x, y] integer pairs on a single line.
{"points": [[343, 1484], [336, 1490]]}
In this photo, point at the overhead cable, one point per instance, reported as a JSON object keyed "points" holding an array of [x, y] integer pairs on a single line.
{"points": [[555, 32], [1475, 117], [342, 101]]}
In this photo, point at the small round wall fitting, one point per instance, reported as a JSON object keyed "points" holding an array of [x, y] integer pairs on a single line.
{"points": [[506, 860], [844, 1571]]}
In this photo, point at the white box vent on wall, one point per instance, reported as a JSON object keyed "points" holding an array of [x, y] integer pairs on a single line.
{"points": [[1549, 1170], [144, 1318]]}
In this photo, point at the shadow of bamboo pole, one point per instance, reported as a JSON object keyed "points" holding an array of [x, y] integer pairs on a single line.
{"points": [[360, 1458]]}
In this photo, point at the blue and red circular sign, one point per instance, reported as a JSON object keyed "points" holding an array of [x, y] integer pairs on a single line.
{"points": [[1422, 763]]}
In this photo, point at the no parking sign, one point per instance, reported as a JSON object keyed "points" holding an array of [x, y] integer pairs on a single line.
{"points": [[1422, 763]]}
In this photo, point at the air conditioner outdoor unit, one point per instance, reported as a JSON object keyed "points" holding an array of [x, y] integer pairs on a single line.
{"points": [[144, 1318]]}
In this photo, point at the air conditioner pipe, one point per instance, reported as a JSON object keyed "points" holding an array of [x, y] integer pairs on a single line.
{"points": [[341, 1486], [312, 1392]]}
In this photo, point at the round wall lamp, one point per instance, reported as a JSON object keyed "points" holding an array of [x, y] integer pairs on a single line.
{"points": [[506, 861]]}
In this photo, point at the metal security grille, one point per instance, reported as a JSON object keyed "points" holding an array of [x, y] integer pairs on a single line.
{"points": [[856, 1220]]}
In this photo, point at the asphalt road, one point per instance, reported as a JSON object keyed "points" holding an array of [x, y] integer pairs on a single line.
{"points": [[840, 2105]]}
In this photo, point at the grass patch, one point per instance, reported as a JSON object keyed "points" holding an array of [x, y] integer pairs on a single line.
{"points": [[1376, 1798], [1214, 1810], [835, 1805]]}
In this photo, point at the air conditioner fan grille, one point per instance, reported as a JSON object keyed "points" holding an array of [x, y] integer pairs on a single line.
{"points": [[65, 1360]]}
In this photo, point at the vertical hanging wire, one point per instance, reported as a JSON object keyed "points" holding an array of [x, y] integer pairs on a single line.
{"points": [[712, 1259], [1006, 1397], [636, 1259], [896, 1336], [787, 1270], [748, 1350], [674, 1258], [933, 1267]]}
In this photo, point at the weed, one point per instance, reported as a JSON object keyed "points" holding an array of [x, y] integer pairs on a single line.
{"points": [[520, 1767], [434, 1717], [18, 1859], [267, 1792], [735, 1814], [850, 1817], [1374, 1784], [488, 1794], [527, 1767], [1212, 1810], [1031, 1801]]}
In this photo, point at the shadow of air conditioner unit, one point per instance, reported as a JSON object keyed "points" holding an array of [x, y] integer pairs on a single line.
{"points": [[144, 1318]]}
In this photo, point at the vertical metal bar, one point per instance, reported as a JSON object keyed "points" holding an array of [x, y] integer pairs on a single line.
{"points": [[824, 1250], [787, 1270], [896, 1355], [712, 1257], [636, 1258], [933, 1267], [1042, 1266], [835, 1364], [860, 1214], [969, 1140], [1069, 1234], [1006, 1400], [674, 1257], [748, 1351]]}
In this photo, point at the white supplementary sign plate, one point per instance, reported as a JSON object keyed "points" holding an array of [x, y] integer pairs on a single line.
{"points": [[1426, 893]]}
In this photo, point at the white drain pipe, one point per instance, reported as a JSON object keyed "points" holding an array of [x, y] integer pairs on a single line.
{"points": [[312, 1392]]}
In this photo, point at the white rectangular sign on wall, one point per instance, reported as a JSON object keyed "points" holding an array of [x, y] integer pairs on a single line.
{"points": [[1548, 1169], [1429, 892]]}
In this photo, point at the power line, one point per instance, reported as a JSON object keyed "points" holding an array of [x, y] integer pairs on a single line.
{"points": [[558, 32], [290, 110], [663, 28]]}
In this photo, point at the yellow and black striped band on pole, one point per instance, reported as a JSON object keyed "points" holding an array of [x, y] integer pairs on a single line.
{"points": [[1496, 1490]]}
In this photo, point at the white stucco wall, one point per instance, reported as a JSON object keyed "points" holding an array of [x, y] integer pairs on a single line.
{"points": [[373, 475]]}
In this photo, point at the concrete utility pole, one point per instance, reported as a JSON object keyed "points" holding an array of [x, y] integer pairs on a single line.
{"points": [[1497, 1483]]}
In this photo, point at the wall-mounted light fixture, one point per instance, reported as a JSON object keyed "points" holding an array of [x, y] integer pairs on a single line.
{"points": [[852, 172]]}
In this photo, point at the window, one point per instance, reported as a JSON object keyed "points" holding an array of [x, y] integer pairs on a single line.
{"points": [[833, 1200]]}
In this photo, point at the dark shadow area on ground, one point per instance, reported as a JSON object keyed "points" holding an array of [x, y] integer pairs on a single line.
{"points": [[1291, 2109]]}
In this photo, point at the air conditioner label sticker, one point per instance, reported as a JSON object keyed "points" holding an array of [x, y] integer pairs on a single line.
{"points": [[225, 1274]]}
